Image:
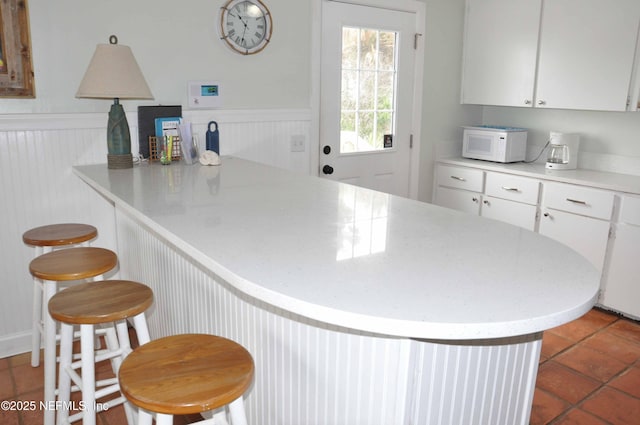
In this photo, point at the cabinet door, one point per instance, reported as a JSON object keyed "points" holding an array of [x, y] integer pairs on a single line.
{"points": [[586, 54], [461, 200], [499, 52], [515, 213], [622, 287], [588, 236]]}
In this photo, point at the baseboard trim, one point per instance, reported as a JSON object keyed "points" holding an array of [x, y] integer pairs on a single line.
{"points": [[13, 344]]}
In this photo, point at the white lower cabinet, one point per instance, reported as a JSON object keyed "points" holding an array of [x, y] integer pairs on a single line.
{"points": [[461, 200], [511, 199], [621, 289], [580, 216], [459, 188], [515, 213], [587, 236], [508, 198]]}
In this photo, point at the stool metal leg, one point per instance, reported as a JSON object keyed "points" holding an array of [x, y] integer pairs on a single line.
{"points": [[49, 327], [64, 380]]}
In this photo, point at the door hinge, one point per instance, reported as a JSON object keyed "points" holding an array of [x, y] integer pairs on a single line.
{"points": [[411, 141], [415, 40]]}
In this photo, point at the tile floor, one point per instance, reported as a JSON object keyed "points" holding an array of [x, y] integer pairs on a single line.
{"points": [[589, 375]]}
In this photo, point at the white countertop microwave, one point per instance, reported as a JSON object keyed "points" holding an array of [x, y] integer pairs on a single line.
{"points": [[494, 143]]}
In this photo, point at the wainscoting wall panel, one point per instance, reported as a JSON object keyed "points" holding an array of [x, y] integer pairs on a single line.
{"points": [[37, 186]]}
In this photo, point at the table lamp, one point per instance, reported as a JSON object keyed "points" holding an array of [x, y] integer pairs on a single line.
{"points": [[113, 73]]}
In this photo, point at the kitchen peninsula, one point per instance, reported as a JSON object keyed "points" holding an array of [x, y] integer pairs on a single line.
{"points": [[358, 307]]}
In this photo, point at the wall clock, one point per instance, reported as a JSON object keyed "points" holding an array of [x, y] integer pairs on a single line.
{"points": [[245, 25]]}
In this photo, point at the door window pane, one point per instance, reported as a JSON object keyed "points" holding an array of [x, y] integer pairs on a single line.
{"points": [[368, 88]]}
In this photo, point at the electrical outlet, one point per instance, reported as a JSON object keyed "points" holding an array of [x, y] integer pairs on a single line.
{"points": [[298, 143]]}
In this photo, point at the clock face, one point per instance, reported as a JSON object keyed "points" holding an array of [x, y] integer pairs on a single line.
{"points": [[245, 25]]}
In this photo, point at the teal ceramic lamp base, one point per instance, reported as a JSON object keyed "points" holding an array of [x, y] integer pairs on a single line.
{"points": [[118, 138]]}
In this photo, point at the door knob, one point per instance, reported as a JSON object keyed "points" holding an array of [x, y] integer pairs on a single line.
{"points": [[326, 149], [327, 169]]}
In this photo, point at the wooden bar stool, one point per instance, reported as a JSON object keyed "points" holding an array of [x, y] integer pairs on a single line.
{"points": [[64, 265], [89, 304], [186, 374], [44, 239]]}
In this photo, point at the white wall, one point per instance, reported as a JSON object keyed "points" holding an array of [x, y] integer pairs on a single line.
{"points": [[173, 42], [442, 113], [609, 141]]}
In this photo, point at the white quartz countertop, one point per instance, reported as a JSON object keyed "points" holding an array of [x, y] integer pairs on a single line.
{"points": [[600, 179], [353, 257]]}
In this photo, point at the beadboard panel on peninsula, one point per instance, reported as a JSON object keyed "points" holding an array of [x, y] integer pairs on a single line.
{"points": [[38, 187]]}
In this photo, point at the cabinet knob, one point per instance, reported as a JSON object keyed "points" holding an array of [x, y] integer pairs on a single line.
{"points": [[474, 199], [485, 202], [527, 102], [542, 102], [546, 215], [327, 169]]}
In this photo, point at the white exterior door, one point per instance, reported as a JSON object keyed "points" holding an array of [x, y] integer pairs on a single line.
{"points": [[367, 96]]}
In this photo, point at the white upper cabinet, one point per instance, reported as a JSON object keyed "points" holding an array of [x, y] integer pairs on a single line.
{"points": [[585, 51], [500, 48]]}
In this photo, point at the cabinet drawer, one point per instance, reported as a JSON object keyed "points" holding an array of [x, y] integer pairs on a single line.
{"points": [[514, 188], [630, 210], [580, 200], [460, 178]]}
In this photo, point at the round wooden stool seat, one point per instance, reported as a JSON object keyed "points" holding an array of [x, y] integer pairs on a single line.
{"points": [[59, 234], [100, 302], [73, 264], [185, 374]]}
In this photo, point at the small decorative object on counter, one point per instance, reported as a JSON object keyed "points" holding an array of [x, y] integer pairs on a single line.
{"points": [[158, 147], [209, 158], [213, 138], [166, 147], [189, 143]]}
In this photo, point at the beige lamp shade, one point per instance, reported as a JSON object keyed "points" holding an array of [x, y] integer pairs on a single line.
{"points": [[113, 73]]}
